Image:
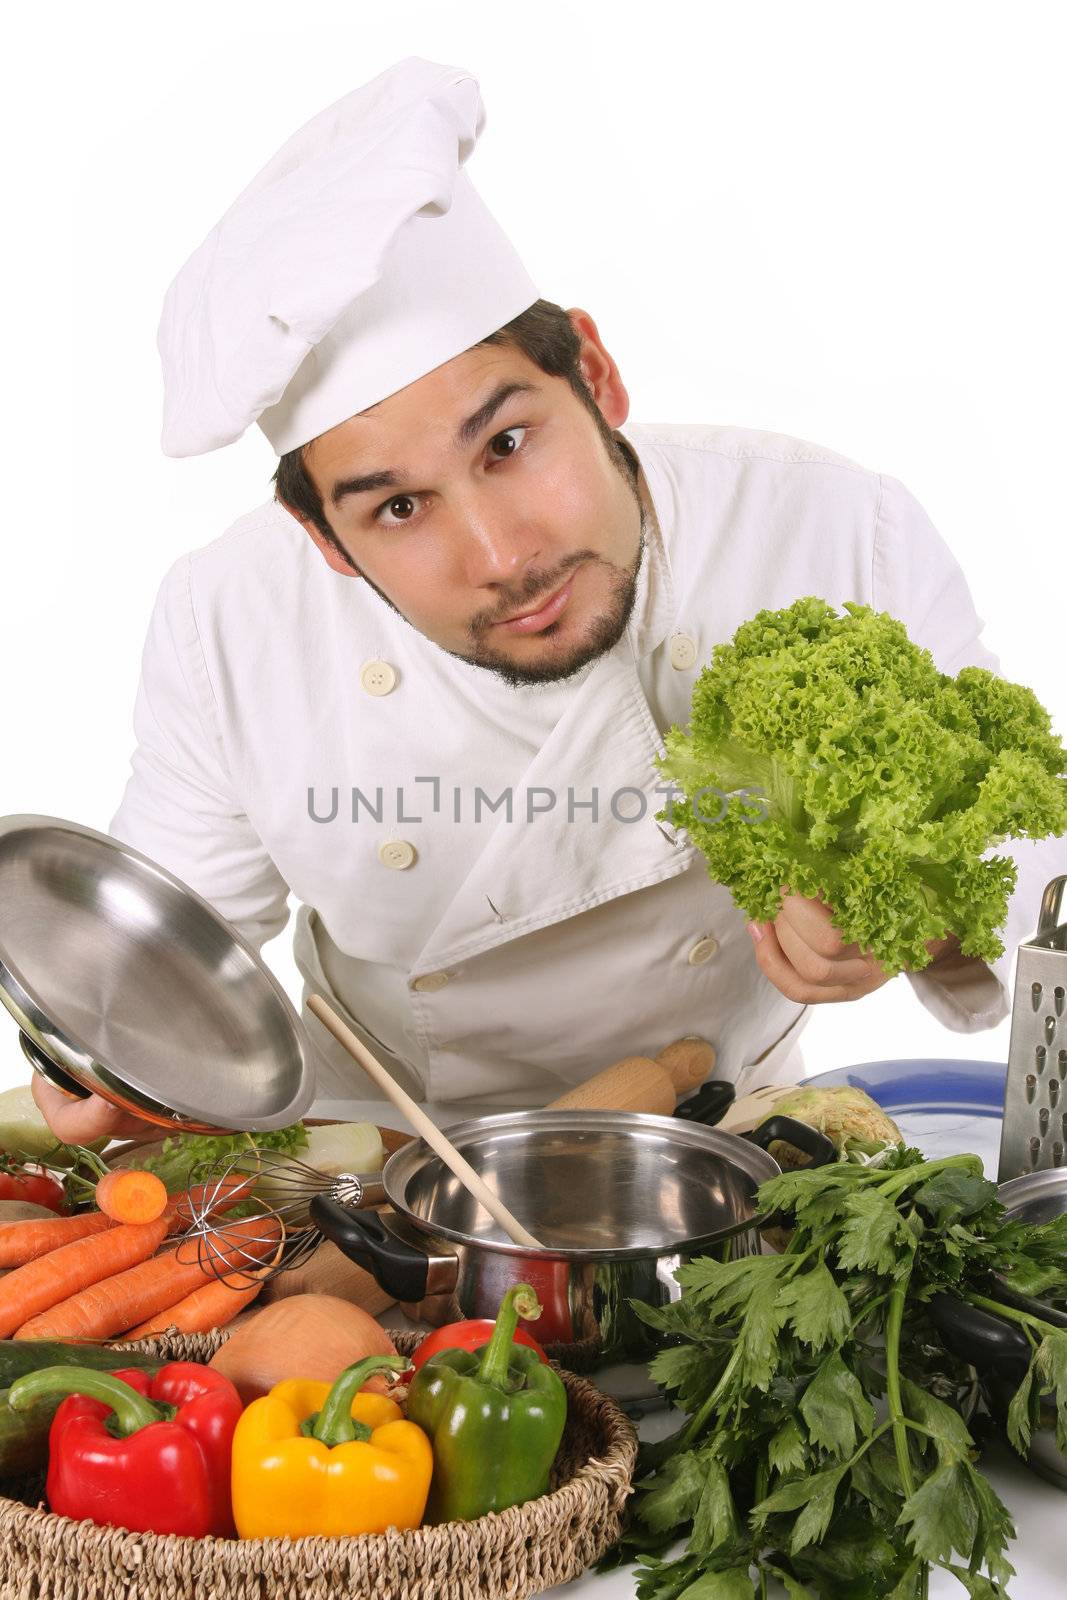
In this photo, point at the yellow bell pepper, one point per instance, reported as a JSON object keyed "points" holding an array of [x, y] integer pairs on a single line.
{"points": [[316, 1458]]}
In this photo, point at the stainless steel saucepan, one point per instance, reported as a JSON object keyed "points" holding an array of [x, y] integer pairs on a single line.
{"points": [[125, 983], [999, 1350], [620, 1200]]}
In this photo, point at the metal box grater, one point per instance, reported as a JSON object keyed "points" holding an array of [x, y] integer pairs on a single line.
{"points": [[1034, 1134]]}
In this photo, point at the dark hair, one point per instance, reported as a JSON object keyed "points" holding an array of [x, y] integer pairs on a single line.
{"points": [[545, 335]]}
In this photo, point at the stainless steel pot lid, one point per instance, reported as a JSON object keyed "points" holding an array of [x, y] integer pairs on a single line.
{"points": [[599, 1184], [136, 987], [1034, 1198]]}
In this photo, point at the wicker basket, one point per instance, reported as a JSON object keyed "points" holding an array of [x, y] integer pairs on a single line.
{"points": [[503, 1556]]}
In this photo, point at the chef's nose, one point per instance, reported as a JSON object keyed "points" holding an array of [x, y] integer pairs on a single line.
{"points": [[498, 548]]}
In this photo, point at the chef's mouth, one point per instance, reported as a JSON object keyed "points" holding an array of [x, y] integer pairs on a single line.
{"points": [[544, 612]]}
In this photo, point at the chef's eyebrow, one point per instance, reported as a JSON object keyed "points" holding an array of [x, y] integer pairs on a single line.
{"points": [[466, 433]]}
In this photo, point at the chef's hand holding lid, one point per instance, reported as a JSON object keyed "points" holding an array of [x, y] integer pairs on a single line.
{"points": [[806, 959], [81, 1121]]}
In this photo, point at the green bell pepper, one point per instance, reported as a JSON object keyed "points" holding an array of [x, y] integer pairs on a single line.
{"points": [[494, 1416]]}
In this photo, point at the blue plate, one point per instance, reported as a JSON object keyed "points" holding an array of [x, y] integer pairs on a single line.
{"points": [[945, 1107], [930, 1087]]}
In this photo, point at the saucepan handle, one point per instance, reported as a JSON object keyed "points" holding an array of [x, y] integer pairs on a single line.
{"points": [[813, 1143], [995, 1348], [397, 1266], [710, 1103], [51, 1070]]}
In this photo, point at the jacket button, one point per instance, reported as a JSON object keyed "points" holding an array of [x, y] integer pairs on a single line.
{"points": [[396, 853], [378, 677], [702, 951], [683, 651], [431, 982]]}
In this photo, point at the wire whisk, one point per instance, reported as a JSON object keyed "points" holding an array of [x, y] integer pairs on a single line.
{"points": [[254, 1206]]}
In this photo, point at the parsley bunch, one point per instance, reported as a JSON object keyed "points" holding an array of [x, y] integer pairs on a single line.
{"points": [[826, 1443], [883, 780]]}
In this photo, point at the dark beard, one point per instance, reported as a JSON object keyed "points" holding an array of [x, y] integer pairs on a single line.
{"points": [[603, 634]]}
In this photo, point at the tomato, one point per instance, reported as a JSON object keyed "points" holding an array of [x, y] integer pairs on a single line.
{"points": [[467, 1336], [33, 1185]]}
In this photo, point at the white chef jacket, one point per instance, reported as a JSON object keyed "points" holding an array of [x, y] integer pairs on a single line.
{"points": [[290, 727]]}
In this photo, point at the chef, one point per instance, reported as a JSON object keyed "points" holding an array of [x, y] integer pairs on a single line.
{"points": [[421, 688]]}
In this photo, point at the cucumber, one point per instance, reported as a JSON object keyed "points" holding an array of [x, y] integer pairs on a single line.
{"points": [[19, 1356], [24, 1434]]}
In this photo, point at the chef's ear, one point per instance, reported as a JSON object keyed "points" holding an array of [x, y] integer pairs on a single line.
{"points": [[599, 370], [332, 553]]}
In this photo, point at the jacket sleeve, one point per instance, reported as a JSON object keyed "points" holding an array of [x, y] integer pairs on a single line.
{"points": [[180, 807], [917, 579]]}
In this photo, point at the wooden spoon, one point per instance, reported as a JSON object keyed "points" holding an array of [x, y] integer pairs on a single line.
{"points": [[748, 1112], [418, 1119]]}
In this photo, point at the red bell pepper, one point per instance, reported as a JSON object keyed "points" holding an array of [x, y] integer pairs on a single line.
{"points": [[470, 1335], [147, 1453]]}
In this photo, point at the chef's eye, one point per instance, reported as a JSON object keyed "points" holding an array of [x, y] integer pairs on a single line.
{"points": [[398, 500], [402, 507], [506, 435]]}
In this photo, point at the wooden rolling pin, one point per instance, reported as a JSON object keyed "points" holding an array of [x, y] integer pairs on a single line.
{"points": [[637, 1083], [642, 1084]]}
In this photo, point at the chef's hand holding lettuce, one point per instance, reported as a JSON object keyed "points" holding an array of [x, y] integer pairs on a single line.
{"points": [[864, 790]]}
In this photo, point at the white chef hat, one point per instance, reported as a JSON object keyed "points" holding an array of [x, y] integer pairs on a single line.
{"points": [[358, 260]]}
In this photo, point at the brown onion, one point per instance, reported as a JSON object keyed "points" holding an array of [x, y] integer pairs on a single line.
{"points": [[302, 1336]]}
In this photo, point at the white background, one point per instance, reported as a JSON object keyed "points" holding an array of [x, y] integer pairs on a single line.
{"points": [[837, 221]]}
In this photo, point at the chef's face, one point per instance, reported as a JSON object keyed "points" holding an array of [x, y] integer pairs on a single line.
{"points": [[492, 509]]}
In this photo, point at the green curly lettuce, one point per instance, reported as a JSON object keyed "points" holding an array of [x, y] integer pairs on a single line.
{"points": [[855, 770], [181, 1157]]}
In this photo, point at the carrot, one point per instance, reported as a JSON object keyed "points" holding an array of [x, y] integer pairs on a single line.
{"points": [[211, 1306], [25, 1241], [128, 1195], [110, 1306], [51, 1279], [221, 1192]]}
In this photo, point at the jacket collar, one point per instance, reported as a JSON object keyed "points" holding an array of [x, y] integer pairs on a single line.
{"points": [[654, 605], [532, 876]]}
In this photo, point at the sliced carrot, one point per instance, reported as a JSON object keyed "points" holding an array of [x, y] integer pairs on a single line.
{"points": [[21, 1242], [128, 1195], [52, 1279], [25, 1241], [110, 1306]]}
